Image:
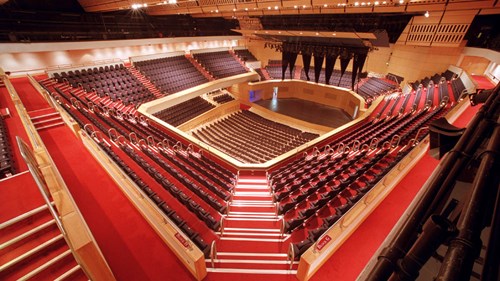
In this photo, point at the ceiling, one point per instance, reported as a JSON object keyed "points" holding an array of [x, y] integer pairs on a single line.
{"points": [[240, 8]]}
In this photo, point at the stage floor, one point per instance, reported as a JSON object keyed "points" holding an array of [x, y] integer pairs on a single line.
{"points": [[308, 111]]}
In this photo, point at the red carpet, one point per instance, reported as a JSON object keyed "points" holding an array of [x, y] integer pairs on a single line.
{"points": [[19, 194], [31, 99], [483, 82], [131, 247]]}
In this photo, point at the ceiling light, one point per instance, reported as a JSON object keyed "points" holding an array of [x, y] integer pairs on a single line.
{"points": [[304, 6], [384, 2], [295, 6], [326, 5], [334, 34], [172, 1], [276, 7], [216, 11], [144, 5], [246, 9], [363, 3], [269, 8], [375, 3], [401, 1], [317, 33], [279, 32], [356, 4], [427, 14], [234, 9]]}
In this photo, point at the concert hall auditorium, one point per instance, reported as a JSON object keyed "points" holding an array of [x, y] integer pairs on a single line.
{"points": [[250, 140]]}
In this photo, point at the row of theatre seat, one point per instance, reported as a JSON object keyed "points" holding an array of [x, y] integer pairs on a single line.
{"points": [[155, 198], [115, 82], [448, 75], [373, 87], [172, 74], [220, 99], [220, 64], [314, 192], [184, 111], [6, 154], [245, 55], [196, 182], [238, 132]]}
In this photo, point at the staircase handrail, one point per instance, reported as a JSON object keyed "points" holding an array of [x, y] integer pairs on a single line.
{"points": [[414, 141], [213, 253], [32, 164], [291, 255]]}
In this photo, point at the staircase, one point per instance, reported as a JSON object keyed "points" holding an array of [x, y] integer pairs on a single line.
{"points": [[145, 81], [235, 56], [199, 67], [32, 247], [45, 118], [250, 240]]}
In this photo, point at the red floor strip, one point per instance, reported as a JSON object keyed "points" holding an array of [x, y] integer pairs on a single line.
{"points": [[31, 99]]}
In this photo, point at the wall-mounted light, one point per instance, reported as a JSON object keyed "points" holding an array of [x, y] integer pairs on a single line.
{"points": [[427, 14]]}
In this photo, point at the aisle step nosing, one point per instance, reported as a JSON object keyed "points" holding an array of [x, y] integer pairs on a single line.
{"points": [[46, 265], [30, 252], [251, 229], [24, 216], [252, 271], [255, 239], [68, 273], [275, 255], [249, 234], [251, 261], [27, 234]]}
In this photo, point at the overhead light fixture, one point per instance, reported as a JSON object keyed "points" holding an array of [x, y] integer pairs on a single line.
{"points": [[234, 9], [326, 5], [246, 9], [295, 6], [356, 4], [376, 3], [145, 5], [304, 6], [401, 1], [276, 7], [427, 14], [269, 7]]}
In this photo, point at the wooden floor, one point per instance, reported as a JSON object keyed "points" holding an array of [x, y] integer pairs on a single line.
{"points": [[308, 111]]}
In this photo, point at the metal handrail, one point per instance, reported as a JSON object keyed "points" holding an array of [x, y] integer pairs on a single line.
{"points": [[142, 141], [88, 126], [291, 255], [374, 143], [135, 140], [35, 171], [398, 140], [213, 253], [110, 130], [150, 140], [414, 141], [355, 145]]}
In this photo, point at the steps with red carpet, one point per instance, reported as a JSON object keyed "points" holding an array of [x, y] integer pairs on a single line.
{"points": [[33, 247], [250, 240], [45, 118]]}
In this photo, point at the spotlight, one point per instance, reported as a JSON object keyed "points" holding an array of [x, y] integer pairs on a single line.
{"points": [[427, 14]]}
